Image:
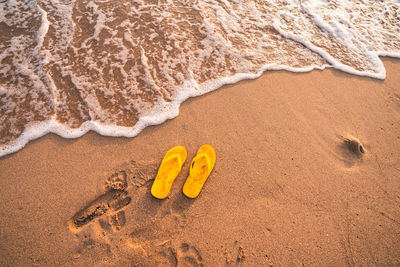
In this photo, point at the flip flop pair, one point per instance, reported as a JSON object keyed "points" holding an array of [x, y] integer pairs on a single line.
{"points": [[200, 168]]}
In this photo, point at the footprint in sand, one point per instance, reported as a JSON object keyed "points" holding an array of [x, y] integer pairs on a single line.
{"points": [[188, 255], [166, 254], [127, 216], [236, 256], [112, 201], [156, 225], [100, 224], [154, 236], [114, 198], [118, 220], [117, 181]]}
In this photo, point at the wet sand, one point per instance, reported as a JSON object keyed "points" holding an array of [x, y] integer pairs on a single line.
{"points": [[290, 186]]}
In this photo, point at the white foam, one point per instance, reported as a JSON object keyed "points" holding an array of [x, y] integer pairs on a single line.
{"points": [[380, 74], [44, 27], [162, 112]]}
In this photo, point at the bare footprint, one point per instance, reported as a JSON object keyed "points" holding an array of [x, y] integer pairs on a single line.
{"points": [[141, 174], [236, 256], [162, 254], [114, 199], [188, 256], [90, 248], [159, 223], [147, 237], [117, 181], [111, 201], [152, 232], [118, 220]]}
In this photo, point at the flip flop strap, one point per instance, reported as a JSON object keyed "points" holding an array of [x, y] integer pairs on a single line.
{"points": [[172, 157], [199, 156]]}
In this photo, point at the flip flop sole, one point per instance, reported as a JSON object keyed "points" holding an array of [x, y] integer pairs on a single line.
{"points": [[169, 169], [200, 169]]}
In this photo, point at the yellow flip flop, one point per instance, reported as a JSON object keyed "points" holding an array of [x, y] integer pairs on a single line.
{"points": [[200, 168], [169, 169]]}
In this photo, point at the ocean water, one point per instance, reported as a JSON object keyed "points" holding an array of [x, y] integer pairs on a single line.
{"points": [[117, 66]]}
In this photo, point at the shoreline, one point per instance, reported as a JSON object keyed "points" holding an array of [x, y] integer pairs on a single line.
{"points": [[284, 190], [40, 129]]}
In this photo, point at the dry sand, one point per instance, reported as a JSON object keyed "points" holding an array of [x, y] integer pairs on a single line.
{"points": [[286, 189]]}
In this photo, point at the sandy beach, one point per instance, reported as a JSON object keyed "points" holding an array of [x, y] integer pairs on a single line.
{"points": [[286, 190]]}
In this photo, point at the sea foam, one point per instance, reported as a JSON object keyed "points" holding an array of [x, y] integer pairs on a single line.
{"points": [[116, 67]]}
